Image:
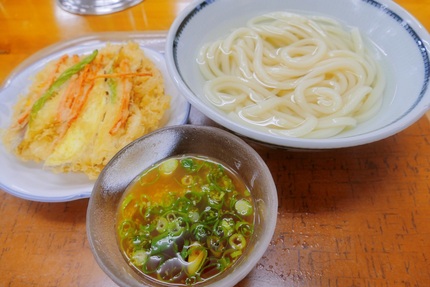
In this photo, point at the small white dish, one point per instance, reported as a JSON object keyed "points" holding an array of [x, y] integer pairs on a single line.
{"points": [[400, 41], [29, 180]]}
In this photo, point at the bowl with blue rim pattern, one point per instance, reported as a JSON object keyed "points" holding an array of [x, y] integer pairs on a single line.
{"points": [[207, 33]]}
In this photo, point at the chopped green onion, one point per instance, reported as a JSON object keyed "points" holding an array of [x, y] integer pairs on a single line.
{"points": [[244, 228], [126, 228], [237, 241], [193, 216], [187, 180], [236, 254], [126, 202], [243, 207], [194, 197], [216, 245], [139, 258], [227, 225], [190, 165], [223, 263], [168, 166], [161, 225]]}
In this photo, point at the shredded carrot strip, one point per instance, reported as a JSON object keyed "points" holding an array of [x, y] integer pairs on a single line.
{"points": [[122, 75], [75, 100], [68, 97], [74, 97], [123, 113], [73, 91], [24, 116], [66, 113], [79, 101]]}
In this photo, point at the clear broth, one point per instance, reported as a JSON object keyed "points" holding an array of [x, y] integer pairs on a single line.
{"points": [[185, 220]]}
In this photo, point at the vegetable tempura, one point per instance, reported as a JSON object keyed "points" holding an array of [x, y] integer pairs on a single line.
{"points": [[80, 110]]}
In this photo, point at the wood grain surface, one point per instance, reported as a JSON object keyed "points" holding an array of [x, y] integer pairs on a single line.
{"points": [[347, 217]]}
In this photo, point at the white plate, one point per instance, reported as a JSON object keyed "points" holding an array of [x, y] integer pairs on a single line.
{"points": [[29, 180]]}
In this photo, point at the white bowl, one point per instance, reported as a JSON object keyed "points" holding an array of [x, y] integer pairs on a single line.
{"points": [[400, 40]]}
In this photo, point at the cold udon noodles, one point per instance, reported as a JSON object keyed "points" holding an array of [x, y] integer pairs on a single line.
{"points": [[293, 75]]}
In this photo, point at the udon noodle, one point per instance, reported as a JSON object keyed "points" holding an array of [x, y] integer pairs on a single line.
{"points": [[293, 75]]}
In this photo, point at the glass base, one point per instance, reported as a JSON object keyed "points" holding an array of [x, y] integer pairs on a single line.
{"points": [[96, 7]]}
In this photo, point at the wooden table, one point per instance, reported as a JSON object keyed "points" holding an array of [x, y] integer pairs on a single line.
{"points": [[350, 217]]}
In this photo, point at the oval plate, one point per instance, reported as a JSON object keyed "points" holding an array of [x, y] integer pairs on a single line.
{"points": [[29, 180]]}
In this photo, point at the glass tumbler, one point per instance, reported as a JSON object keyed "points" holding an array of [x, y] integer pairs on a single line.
{"points": [[96, 7]]}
